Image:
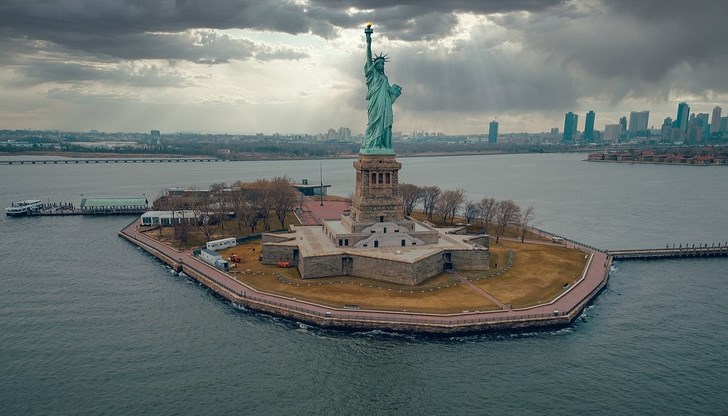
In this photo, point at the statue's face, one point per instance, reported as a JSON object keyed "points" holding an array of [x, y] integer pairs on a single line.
{"points": [[379, 65]]}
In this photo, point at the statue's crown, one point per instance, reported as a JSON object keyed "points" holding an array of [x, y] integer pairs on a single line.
{"points": [[381, 57]]}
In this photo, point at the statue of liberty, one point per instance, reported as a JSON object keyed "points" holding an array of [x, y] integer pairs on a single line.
{"points": [[378, 137]]}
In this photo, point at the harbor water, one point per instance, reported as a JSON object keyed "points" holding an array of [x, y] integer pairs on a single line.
{"points": [[89, 324]]}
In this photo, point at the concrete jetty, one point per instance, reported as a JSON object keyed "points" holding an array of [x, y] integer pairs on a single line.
{"points": [[687, 251]]}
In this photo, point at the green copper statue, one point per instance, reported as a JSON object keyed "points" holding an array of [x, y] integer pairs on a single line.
{"points": [[378, 137]]}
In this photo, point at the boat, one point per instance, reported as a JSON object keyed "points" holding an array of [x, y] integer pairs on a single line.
{"points": [[24, 207]]}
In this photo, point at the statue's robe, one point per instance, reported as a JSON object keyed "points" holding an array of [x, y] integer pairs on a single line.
{"points": [[381, 96]]}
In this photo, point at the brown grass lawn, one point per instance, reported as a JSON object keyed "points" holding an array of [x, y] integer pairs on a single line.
{"points": [[440, 294], [537, 276]]}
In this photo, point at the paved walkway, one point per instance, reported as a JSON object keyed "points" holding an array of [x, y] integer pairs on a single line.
{"points": [[561, 311], [480, 291]]}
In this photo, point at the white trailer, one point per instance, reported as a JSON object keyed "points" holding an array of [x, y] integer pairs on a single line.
{"points": [[221, 244], [212, 258]]}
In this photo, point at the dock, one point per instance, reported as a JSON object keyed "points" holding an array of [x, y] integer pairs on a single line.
{"points": [[686, 251], [123, 205], [108, 160], [58, 211]]}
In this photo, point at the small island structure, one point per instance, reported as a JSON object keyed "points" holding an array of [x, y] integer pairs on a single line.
{"points": [[375, 268], [375, 240]]}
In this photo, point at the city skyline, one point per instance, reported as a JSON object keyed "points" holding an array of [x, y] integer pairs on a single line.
{"points": [[296, 67]]}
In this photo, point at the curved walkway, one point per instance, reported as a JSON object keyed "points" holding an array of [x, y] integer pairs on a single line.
{"points": [[560, 312]]}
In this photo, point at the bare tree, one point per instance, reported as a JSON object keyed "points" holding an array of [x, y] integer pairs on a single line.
{"points": [[486, 211], [411, 195], [246, 213], [206, 204], [283, 197], [470, 211], [261, 198], [507, 213], [429, 199], [526, 217], [220, 197], [449, 203]]}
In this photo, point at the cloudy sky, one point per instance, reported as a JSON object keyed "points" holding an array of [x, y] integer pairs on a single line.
{"points": [[247, 66]]}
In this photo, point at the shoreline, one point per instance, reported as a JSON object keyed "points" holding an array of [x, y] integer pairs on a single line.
{"points": [[636, 162], [262, 157], [559, 313]]}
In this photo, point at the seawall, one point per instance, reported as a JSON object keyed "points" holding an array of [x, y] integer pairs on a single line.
{"points": [[561, 312]]}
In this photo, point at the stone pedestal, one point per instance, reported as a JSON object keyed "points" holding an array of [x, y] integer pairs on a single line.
{"points": [[376, 198]]}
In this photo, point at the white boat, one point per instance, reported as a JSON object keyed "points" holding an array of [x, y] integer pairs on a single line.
{"points": [[24, 207]]}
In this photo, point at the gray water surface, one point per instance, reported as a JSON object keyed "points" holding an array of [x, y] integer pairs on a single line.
{"points": [[91, 325]]}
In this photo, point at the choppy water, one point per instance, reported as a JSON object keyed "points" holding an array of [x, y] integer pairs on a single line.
{"points": [[91, 325]]}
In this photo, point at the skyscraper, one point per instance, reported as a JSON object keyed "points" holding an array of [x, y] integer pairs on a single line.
{"points": [[493, 132], [638, 123], [702, 120], [570, 122], [589, 126], [612, 132], [683, 112], [715, 120], [623, 123]]}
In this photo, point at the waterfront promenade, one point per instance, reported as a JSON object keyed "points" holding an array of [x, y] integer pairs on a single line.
{"points": [[558, 313]]}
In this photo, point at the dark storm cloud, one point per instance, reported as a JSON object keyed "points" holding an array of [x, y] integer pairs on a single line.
{"points": [[440, 6], [415, 20], [641, 42], [136, 29], [116, 27], [199, 46]]}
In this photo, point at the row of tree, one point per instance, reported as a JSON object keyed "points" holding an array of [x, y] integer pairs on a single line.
{"points": [[248, 203], [448, 204]]}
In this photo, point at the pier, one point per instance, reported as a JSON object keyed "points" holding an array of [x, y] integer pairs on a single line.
{"points": [[124, 205], [58, 211], [108, 160], [687, 251]]}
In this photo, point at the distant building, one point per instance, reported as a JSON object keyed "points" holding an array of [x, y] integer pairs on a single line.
{"points": [[702, 120], [570, 122], [554, 132], [344, 133], [638, 123], [715, 120], [589, 127], [332, 135], [683, 112], [493, 132], [623, 123], [723, 124], [666, 130], [695, 132], [155, 133], [612, 132]]}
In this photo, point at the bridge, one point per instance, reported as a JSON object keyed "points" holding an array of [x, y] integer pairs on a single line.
{"points": [[108, 160], [700, 250]]}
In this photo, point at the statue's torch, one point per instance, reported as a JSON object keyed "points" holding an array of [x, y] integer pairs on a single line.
{"points": [[368, 31]]}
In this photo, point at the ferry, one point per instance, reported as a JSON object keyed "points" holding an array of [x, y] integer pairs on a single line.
{"points": [[24, 207]]}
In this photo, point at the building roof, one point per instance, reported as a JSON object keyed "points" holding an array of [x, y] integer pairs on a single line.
{"points": [[115, 202], [187, 213]]}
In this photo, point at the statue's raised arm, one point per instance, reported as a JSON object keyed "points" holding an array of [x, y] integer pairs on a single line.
{"points": [[381, 96]]}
